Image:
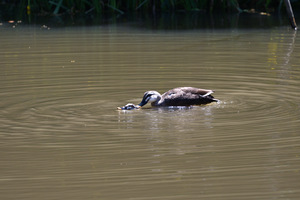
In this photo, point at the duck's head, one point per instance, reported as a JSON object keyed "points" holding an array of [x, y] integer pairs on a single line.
{"points": [[150, 96]]}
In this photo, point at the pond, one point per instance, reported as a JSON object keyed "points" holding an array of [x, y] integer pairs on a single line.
{"points": [[62, 137]]}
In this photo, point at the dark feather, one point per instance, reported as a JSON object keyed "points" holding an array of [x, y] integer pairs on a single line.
{"points": [[186, 96], [182, 96]]}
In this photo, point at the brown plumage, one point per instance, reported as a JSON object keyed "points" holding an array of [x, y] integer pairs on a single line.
{"points": [[182, 96]]}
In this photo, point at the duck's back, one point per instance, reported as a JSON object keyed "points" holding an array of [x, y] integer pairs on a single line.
{"points": [[185, 96]]}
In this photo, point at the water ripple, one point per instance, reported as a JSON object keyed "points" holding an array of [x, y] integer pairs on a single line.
{"points": [[61, 131]]}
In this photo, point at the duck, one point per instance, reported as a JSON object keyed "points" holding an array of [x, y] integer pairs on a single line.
{"points": [[181, 96], [129, 106]]}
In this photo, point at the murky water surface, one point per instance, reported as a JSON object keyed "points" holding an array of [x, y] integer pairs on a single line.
{"points": [[61, 136]]}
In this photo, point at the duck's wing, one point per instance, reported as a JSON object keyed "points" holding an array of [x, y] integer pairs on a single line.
{"points": [[187, 92], [197, 91], [187, 96]]}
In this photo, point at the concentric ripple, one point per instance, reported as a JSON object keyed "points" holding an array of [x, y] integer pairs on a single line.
{"points": [[63, 138]]}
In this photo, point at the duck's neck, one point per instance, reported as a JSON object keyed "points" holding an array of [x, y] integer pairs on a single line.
{"points": [[157, 102]]}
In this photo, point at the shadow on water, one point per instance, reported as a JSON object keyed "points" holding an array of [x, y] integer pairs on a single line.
{"points": [[164, 21]]}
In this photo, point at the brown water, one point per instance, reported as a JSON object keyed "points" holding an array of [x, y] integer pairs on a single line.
{"points": [[61, 136]]}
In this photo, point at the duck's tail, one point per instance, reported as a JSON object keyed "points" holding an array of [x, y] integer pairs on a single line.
{"points": [[211, 98], [208, 93]]}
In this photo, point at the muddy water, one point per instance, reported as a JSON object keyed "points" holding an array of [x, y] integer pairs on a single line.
{"points": [[61, 136]]}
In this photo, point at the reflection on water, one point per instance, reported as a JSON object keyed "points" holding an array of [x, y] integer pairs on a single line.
{"points": [[176, 118], [62, 136]]}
